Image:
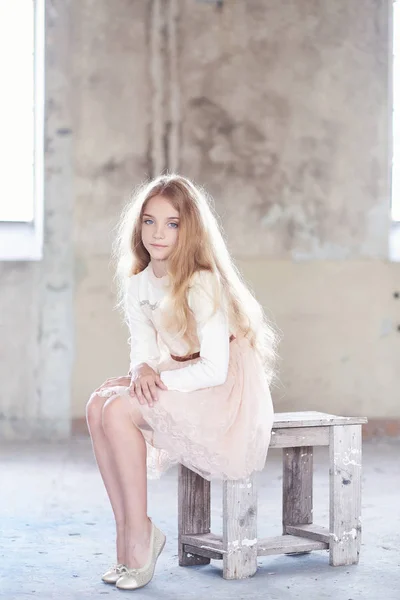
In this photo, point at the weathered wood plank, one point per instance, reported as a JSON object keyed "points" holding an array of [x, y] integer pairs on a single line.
{"points": [[281, 544], [312, 532], [202, 551], [239, 528], [203, 540], [345, 495], [193, 512], [297, 486], [311, 418], [288, 543], [296, 437]]}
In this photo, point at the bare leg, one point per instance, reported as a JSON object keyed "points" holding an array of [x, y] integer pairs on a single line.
{"points": [[107, 468], [129, 451]]}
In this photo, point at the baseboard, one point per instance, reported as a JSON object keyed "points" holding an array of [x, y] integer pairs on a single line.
{"points": [[375, 428], [381, 428], [79, 426]]}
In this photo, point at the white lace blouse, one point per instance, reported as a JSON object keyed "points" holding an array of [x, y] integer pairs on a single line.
{"points": [[150, 343]]}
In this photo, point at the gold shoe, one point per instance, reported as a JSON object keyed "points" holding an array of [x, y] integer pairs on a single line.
{"points": [[132, 579], [113, 574]]}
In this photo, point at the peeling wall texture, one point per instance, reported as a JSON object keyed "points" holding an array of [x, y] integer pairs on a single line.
{"points": [[285, 114], [282, 111]]}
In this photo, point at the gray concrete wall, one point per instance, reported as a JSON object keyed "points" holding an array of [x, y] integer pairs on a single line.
{"points": [[283, 111], [285, 114]]}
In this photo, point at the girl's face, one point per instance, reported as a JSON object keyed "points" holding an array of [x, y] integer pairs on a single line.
{"points": [[160, 224]]}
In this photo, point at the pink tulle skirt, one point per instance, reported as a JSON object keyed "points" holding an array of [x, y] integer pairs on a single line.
{"points": [[220, 432]]}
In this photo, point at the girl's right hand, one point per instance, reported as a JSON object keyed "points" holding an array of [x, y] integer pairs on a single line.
{"points": [[144, 384]]}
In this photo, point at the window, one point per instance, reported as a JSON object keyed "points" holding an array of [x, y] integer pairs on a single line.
{"points": [[394, 237], [22, 127], [396, 113]]}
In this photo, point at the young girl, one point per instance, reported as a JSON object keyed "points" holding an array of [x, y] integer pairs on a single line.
{"points": [[201, 360]]}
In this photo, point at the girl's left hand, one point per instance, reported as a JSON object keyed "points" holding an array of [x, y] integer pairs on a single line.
{"points": [[144, 385]]}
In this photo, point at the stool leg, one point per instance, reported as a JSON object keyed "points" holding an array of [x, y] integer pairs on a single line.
{"points": [[239, 528], [345, 494], [193, 512], [297, 486]]}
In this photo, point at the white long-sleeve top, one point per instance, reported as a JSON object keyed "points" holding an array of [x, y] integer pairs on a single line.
{"points": [[151, 343]]}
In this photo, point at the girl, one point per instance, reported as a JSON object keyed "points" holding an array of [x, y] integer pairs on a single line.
{"points": [[201, 360]]}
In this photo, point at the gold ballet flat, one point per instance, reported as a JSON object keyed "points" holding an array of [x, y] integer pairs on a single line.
{"points": [[132, 579], [113, 574]]}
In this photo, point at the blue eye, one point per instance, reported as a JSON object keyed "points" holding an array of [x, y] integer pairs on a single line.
{"points": [[150, 221]]}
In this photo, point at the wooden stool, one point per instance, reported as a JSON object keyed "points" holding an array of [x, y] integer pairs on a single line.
{"points": [[296, 433]]}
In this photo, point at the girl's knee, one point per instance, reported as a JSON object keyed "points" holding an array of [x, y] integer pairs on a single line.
{"points": [[111, 413], [94, 409]]}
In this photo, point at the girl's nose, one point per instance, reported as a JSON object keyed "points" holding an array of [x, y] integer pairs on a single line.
{"points": [[159, 233]]}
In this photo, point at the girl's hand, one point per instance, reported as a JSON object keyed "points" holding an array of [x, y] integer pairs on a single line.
{"points": [[144, 384]]}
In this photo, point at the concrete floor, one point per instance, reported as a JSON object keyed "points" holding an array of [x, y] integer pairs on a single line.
{"points": [[57, 534]]}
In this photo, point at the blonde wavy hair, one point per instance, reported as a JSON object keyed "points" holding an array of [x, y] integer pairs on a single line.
{"points": [[200, 247]]}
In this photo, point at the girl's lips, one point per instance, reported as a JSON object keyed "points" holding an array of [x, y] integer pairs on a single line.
{"points": [[158, 246]]}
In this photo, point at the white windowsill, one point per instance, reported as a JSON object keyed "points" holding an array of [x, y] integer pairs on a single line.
{"points": [[20, 241]]}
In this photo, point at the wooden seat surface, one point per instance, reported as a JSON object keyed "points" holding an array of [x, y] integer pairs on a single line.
{"points": [[310, 418]]}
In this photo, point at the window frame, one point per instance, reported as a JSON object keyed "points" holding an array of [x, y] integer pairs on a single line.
{"points": [[23, 241]]}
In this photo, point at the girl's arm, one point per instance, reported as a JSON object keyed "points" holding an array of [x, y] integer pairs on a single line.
{"points": [[213, 333], [143, 336]]}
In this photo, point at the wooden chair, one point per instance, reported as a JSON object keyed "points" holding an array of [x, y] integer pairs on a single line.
{"points": [[296, 433]]}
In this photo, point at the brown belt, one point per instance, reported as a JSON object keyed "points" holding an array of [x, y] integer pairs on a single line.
{"points": [[194, 355]]}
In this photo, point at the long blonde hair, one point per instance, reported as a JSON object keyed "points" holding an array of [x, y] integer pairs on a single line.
{"points": [[200, 247]]}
